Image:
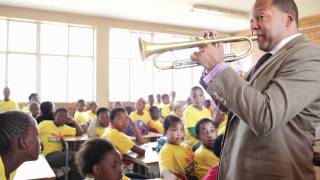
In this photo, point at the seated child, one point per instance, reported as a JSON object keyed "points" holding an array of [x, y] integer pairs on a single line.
{"points": [[119, 122], [98, 159], [92, 108], [51, 133], [99, 125], [19, 142], [193, 114], [213, 172], [175, 159], [47, 109], [34, 109], [155, 123], [81, 116], [140, 113], [165, 106], [204, 155]]}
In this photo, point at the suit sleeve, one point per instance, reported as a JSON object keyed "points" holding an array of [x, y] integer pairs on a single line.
{"points": [[294, 87]]}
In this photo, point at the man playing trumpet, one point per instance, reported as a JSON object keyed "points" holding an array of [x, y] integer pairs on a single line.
{"points": [[274, 110]]}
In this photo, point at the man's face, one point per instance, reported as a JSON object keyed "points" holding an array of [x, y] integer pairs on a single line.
{"points": [[269, 23], [121, 121]]}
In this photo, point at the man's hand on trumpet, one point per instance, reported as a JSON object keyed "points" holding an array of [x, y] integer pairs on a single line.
{"points": [[209, 55]]}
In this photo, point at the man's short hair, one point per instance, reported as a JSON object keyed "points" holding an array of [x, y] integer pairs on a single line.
{"points": [[286, 5]]}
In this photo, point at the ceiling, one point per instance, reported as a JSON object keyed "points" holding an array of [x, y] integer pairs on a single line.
{"points": [[173, 12]]}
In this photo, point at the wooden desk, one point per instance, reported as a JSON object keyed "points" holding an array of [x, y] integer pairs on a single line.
{"points": [[148, 136], [151, 157], [83, 137], [39, 169], [147, 165]]}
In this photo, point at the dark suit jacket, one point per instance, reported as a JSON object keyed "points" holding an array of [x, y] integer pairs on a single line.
{"points": [[277, 111]]}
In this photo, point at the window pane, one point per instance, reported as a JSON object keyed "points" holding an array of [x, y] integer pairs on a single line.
{"points": [[2, 71], [80, 83], [182, 83], [54, 78], [81, 41], [54, 39], [119, 44], [21, 76], [3, 35], [163, 81], [22, 36], [138, 86], [119, 80]]}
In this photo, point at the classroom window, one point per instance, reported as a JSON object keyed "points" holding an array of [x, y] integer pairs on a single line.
{"points": [[2, 70], [140, 78], [3, 35], [55, 60], [21, 75]]}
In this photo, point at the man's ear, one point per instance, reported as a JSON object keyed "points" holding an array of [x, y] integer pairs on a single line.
{"points": [[290, 17], [96, 169]]}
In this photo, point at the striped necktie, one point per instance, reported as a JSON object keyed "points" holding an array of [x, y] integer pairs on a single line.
{"points": [[259, 63]]}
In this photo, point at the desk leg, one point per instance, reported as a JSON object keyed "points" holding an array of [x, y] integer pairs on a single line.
{"points": [[66, 176]]}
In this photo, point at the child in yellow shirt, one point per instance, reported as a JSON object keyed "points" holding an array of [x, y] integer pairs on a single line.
{"points": [[119, 122], [8, 104], [50, 135], [176, 159], [193, 114], [19, 142], [155, 123], [81, 116], [92, 110], [99, 125], [165, 106], [204, 156], [140, 113], [98, 159]]}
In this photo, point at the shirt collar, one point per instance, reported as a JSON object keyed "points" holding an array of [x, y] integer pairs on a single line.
{"points": [[283, 43]]}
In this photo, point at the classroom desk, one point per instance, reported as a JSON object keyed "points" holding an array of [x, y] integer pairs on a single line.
{"points": [[72, 143], [39, 169], [147, 165], [151, 156], [148, 136]]}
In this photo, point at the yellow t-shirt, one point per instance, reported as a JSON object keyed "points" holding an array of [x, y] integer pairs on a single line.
{"points": [[81, 117], [190, 118], [157, 126], [91, 115], [2, 171], [100, 131], [176, 158], [205, 159], [145, 117], [165, 110], [49, 133], [222, 126], [147, 107], [8, 106], [25, 109], [120, 140]]}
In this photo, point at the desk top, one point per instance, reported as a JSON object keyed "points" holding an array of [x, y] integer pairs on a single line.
{"points": [[39, 169], [150, 157], [83, 137], [149, 135]]}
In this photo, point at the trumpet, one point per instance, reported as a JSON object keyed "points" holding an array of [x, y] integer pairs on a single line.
{"points": [[148, 48]]}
